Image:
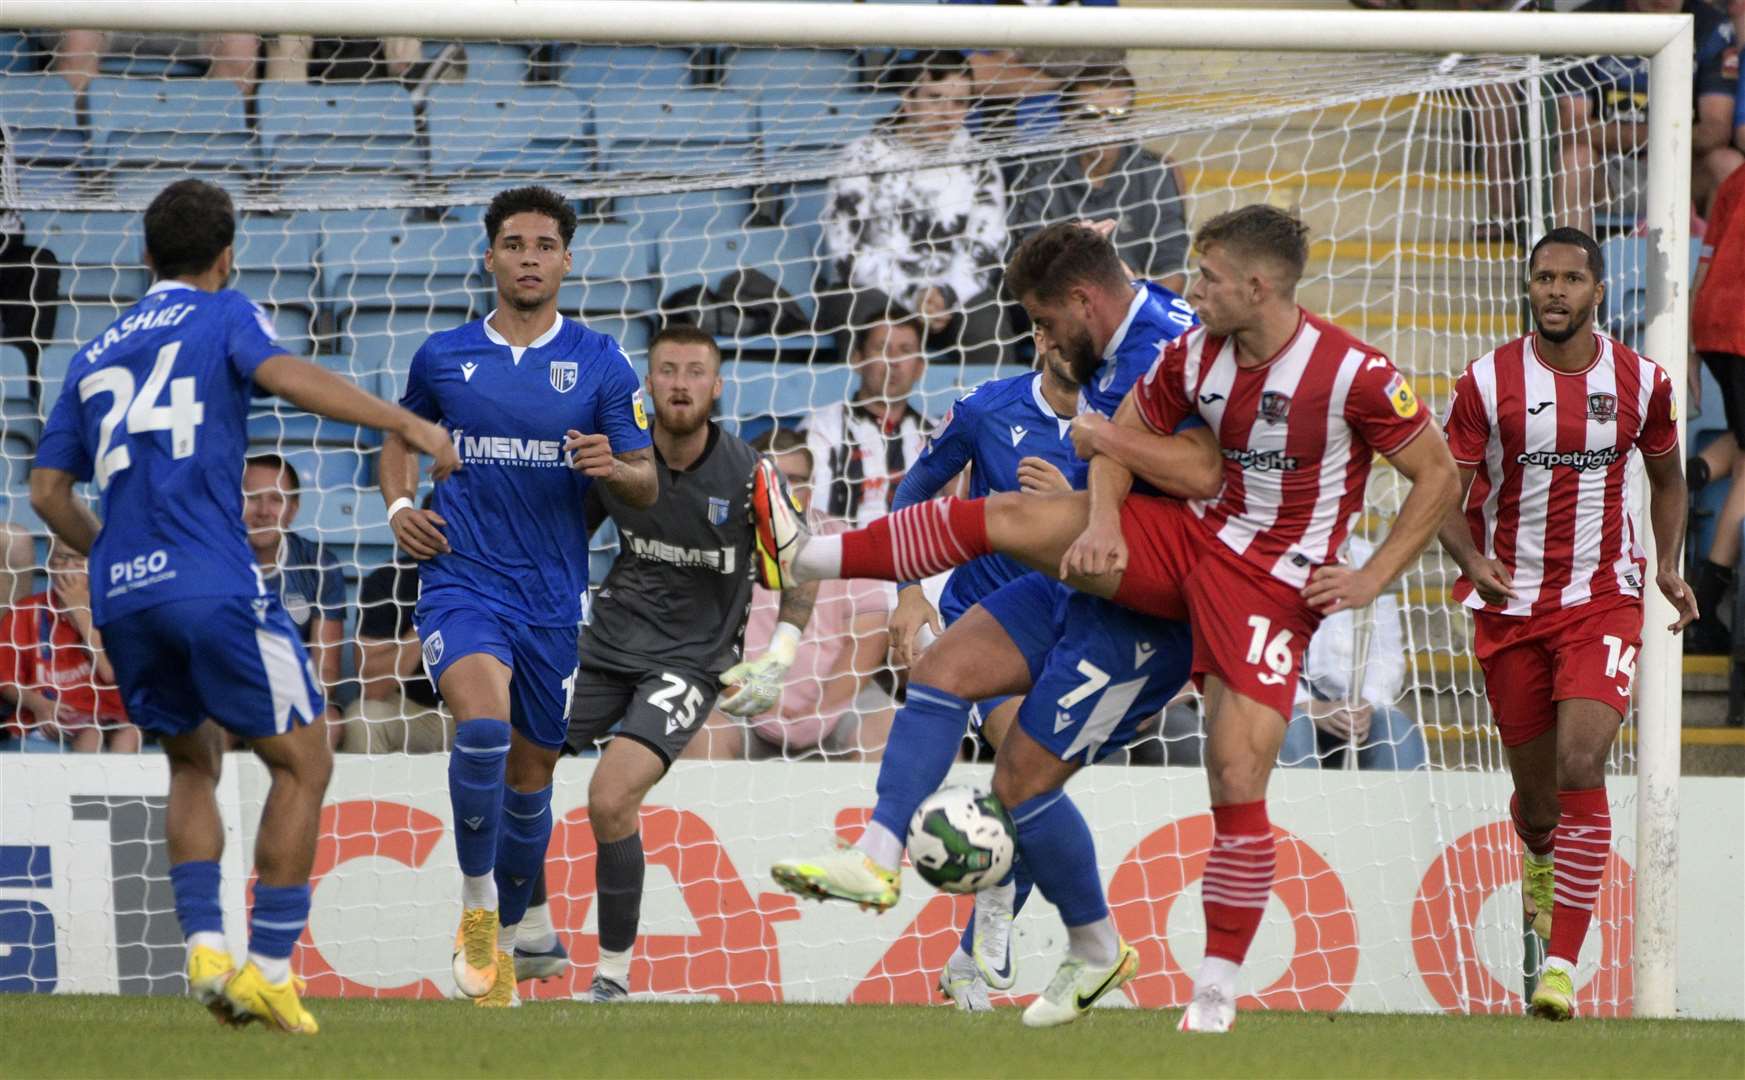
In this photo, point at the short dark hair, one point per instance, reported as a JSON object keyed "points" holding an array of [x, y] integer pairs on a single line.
{"points": [[684, 333], [780, 440], [1259, 230], [278, 464], [187, 226], [1054, 259], [531, 199], [1596, 259], [893, 315], [930, 65]]}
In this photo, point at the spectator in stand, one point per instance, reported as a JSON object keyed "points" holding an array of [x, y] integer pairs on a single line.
{"points": [[1329, 720], [78, 54], [929, 237], [1603, 122], [861, 448], [1122, 181], [1717, 335], [840, 650], [1018, 88], [398, 709], [53, 668], [29, 278], [302, 58], [305, 574]]}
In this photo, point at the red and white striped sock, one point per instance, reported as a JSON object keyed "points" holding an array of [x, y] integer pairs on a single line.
{"points": [[1539, 843], [917, 541], [1583, 843], [1238, 878]]}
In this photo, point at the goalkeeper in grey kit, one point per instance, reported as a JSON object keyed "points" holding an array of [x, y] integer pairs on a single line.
{"points": [[663, 638]]}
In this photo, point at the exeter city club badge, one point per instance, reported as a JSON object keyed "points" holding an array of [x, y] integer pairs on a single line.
{"points": [[563, 375]]}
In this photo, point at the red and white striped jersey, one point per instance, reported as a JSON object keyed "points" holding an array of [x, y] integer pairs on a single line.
{"points": [[1551, 450], [1298, 433]]}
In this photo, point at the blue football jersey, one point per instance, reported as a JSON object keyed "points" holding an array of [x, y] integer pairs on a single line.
{"points": [[156, 410], [1156, 317], [517, 529], [991, 429]]}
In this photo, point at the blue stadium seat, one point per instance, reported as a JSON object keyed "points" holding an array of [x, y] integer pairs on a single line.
{"points": [[101, 252], [613, 272], [685, 213], [42, 119], [149, 132], [589, 69], [51, 369], [321, 468], [18, 417], [275, 267], [779, 253], [631, 334], [752, 389], [353, 524], [496, 63], [281, 424], [799, 132], [337, 133], [483, 138], [83, 321], [16, 55], [675, 133], [942, 384], [47, 182], [790, 71], [393, 283]]}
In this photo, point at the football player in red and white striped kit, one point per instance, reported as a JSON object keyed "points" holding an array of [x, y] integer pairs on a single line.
{"points": [[1543, 429], [1300, 408]]}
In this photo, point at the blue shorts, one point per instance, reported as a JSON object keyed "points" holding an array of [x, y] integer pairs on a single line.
{"points": [[1109, 672], [1028, 609], [541, 661], [236, 659]]}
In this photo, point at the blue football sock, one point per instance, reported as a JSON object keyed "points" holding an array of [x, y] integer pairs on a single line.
{"points": [[1019, 877], [923, 743], [475, 790], [521, 845], [277, 921], [1056, 844], [195, 885]]}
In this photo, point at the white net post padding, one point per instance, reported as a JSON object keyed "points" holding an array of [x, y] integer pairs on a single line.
{"points": [[733, 140]]}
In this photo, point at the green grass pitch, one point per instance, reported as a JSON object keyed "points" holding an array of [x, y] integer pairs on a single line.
{"points": [[172, 1037]]}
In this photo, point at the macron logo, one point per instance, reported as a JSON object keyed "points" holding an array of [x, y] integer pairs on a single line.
{"points": [[1141, 653], [474, 822], [466, 371], [1018, 434]]}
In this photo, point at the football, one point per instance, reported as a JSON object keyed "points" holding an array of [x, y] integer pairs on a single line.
{"points": [[961, 839]]}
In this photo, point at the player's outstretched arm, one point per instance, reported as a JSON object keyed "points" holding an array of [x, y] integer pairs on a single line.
{"points": [[317, 390], [51, 496], [1187, 465], [1489, 577], [1426, 462], [1667, 505]]}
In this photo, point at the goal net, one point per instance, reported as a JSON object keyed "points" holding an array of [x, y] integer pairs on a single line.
{"points": [[789, 200]]}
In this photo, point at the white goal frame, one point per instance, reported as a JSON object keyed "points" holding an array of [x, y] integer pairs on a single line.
{"points": [[1667, 40]]}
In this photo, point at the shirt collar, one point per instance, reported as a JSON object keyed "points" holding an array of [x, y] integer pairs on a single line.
{"points": [[538, 343], [1140, 295], [1042, 405], [166, 284]]}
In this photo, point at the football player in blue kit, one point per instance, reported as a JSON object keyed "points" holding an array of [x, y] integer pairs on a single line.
{"points": [[540, 407], [1092, 672], [155, 409]]}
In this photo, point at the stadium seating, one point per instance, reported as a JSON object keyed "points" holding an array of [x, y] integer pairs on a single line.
{"points": [[353, 525], [675, 133], [713, 211], [275, 267], [942, 384], [51, 370], [338, 138], [15, 54], [19, 426], [801, 72], [613, 272], [753, 389], [486, 138], [101, 252], [592, 68], [497, 63], [147, 132], [42, 120], [781, 253], [796, 132]]}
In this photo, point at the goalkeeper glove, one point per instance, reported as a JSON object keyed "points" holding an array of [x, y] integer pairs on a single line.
{"points": [[757, 684]]}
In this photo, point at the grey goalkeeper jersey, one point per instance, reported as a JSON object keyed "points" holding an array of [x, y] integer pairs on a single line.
{"points": [[679, 591]]}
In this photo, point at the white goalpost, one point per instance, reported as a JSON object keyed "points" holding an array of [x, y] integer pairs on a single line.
{"points": [[1362, 121]]}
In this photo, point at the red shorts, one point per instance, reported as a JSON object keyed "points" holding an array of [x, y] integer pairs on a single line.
{"points": [[1531, 662], [1250, 629]]}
